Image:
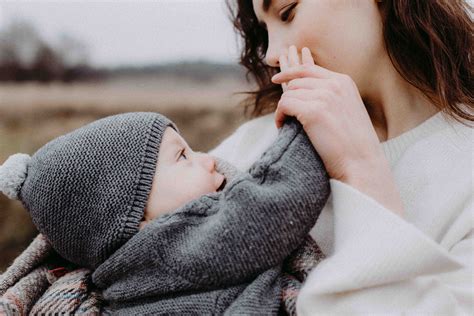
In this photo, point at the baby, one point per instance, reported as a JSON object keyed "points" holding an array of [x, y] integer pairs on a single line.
{"points": [[161, 226], [182, 175]]}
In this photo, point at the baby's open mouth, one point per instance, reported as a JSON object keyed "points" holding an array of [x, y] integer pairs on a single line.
{"points": [[221, 187]]}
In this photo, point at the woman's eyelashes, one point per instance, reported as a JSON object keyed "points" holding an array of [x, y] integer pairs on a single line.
{"points": [[284, 17]]}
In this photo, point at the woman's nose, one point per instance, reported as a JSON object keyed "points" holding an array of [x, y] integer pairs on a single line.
{"points": [[274, 51], [272, 58]]}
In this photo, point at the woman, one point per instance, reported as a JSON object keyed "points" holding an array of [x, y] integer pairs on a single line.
{"points": [[384, 90]]}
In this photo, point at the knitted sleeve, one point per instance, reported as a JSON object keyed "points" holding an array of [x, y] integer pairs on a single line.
{"points": [[229, 237], [383, 264]]}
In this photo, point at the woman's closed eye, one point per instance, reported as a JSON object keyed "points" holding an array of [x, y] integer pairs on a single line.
{"points": [[286, 14]]}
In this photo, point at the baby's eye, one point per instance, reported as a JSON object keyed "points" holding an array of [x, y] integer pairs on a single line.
{"points": [[182, 155]]}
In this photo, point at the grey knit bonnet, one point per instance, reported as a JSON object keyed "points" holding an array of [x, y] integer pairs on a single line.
{"points": [[86, 191]]}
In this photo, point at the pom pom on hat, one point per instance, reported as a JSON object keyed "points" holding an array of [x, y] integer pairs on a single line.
{"points": [[13, 174]]}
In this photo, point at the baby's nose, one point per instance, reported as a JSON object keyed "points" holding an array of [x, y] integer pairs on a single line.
{"points": [[208, 162]]}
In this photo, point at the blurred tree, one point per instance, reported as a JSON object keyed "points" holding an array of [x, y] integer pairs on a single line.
{"points": [[22, 41], [74, 53], [75, 57], [47, 65], [17, 49], [24, 55]]}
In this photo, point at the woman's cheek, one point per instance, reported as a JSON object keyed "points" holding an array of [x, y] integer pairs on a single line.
{"points": [[305, 38]]}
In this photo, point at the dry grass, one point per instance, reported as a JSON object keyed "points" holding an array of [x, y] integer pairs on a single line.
{"points": [[31, 115]]}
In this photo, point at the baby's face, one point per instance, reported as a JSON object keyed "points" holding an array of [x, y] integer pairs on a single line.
{"points": [[181, 176]]}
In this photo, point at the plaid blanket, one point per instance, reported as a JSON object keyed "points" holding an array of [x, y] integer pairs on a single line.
{"points": [[40, 282], [295, 271]]}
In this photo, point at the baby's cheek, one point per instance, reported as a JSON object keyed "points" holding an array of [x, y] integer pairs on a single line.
{"points": [[195, 193], [207, 187], [197, 187]]}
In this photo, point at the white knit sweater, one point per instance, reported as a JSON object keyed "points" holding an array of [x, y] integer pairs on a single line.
{"points": [[379, 263]]}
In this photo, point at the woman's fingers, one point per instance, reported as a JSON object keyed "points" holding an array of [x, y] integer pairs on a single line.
{"points": [[306, 57], [308, 95], [292, 102], [297, 108], [282, 112], [291, 67], [283, 60], [302, 71], [309, 83], [293, 58]]}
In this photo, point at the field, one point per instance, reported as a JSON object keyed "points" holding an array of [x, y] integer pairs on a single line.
{"points": [[32, 114]]}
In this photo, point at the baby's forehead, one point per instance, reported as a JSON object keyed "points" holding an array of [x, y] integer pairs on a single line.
{"points": [[171, 138]]}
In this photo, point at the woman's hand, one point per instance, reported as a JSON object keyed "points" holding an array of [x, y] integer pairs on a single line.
{"points": [[331, 110]]}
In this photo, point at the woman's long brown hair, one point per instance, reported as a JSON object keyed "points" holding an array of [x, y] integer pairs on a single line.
{"points": [[429, 42]]}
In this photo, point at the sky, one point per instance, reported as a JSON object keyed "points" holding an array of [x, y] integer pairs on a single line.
{"points": [[134, 32]]}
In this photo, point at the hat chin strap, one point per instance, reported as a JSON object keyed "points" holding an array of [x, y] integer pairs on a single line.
{"points": [[13, 174]]}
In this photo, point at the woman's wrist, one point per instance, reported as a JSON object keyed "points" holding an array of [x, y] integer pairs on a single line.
{"points": [[375, 179]]}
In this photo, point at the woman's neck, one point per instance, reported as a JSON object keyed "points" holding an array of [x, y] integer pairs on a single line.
{"points": [[394, 105]]}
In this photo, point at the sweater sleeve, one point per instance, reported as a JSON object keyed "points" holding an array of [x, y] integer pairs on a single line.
{"points": [[401, 270]]}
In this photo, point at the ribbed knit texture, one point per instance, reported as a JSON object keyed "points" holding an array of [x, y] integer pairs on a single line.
{"points": [[86, 191], [219, 253]]}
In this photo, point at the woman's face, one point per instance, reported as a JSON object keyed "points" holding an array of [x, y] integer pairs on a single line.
{"points": [[344, 36]]}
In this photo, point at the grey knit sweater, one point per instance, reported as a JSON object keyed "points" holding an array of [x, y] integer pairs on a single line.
{"points": [[222, 253]]}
